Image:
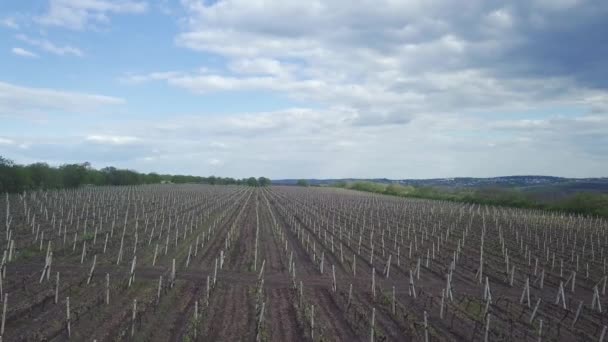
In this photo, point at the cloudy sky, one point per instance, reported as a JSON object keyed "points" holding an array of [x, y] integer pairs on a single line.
{"points": [[292, 88]]}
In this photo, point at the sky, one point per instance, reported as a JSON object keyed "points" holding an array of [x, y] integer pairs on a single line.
{"points": [[308, 89]]}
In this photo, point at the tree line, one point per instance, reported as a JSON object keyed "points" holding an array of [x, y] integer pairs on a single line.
{"points": [[18, 178]]}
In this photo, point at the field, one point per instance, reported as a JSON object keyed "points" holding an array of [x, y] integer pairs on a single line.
{"points": [[234, 263]]}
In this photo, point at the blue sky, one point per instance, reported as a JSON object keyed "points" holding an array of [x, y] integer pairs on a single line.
{"points": [[289, 89]]}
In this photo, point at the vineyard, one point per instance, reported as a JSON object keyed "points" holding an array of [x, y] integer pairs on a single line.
{"points": [[234, 263]]}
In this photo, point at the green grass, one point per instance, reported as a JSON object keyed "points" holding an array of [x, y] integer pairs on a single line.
{"points": [[28, 253], [585, 203]]}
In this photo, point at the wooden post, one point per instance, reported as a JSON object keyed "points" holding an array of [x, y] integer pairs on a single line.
{"points": [[195, 317], [534, 311], [442, 303], [155, 254], [426, 328], [67, 304], [393, 306], [160, 286], [312, 322], [373, 282], [412, 287], [333, 272], [107, 288], [4, 304], [207, 292], [84, 251], [561, 295], [57, 288], [322, 261], [578, 312], [215, 273], [92, 269], [132, 273], [525, 294], [373, 323], [133, 317], [173, 272], [512, 276], [485, 338]]}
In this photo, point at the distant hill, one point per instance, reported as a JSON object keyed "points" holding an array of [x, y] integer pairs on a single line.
{"points": [[536, 184]]}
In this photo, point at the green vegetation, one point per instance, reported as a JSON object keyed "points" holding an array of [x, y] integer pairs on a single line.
{"points": [[581, 203], [302, 182], [18, 178]]}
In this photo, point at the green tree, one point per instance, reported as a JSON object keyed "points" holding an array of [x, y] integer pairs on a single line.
{"points": [[302, 182], [73, 175], [263, 181], [252, 181]]}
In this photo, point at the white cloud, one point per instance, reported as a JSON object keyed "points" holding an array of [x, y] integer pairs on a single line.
{"points": [[78, 14], [6, 141], [214, 162], [10, 23], [51, 47], [112, 139], [23, 52], [218, 144], [154, 76], [385, 60], [18, 100], [380, 89]]}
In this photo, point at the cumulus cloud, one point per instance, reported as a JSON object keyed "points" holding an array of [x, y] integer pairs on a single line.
{"points": [[16, 100], [111, 139], [399, 57], [378, 88], [77, 15], [214, 162], [49, 46], [6, 141], [23, 52], [10, 23], [399, 89]]}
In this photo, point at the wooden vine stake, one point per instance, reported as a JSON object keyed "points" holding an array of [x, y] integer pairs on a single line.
{"points": [[603, 334], [195, 318], [57, 289], [534, 311], [333, 272], [92, 269], [173, 271], [107, 288], [561, 295], [312, 322], [442, 302], [160, 286], [68, 321], [487, 332], [578, 312], [374, 283], [4, 304], [412, 287], [525, 294], [132, 273], [426, 327], [133, 317], [372, 325]]}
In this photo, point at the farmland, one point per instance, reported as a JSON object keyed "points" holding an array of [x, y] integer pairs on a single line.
{"points": [[234, 263]]}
